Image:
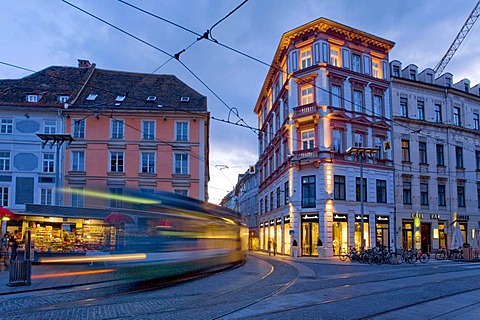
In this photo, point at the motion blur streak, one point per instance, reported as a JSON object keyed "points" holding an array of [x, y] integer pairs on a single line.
{"points": [[69, 274], [105, 195], [102, 258]]}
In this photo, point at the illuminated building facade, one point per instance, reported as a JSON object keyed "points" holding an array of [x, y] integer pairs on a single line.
{"points": [[437, 157], [327, 90]]}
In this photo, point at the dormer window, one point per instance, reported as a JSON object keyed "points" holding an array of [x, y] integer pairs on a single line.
{"points": [[92, 96], [412, 75], [151, 98], [63, 99], [466, 86], [32, 98], [120, 98], [184, 99]]}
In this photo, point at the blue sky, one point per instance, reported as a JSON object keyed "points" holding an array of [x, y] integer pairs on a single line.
{"points": [[37, 34]]}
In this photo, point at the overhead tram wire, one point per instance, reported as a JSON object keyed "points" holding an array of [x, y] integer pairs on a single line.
{"points": [[154, 47]]}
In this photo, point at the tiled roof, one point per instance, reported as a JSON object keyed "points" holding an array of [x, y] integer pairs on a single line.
{"points": [[137, 87], [55, 81], [48, 83]]}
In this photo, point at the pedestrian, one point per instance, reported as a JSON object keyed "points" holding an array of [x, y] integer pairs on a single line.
{"points": [[295, 248], [269, 246], [274, 248], [14, 245]]}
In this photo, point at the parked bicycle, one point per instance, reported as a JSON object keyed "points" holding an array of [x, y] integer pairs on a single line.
{"points": [[449, 254]]}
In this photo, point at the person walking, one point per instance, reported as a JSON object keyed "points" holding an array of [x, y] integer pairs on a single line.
{"points": [[14, 245], [274, 248], [269, 246], [295, 248]]}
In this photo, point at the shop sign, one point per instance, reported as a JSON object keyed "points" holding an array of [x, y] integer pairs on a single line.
{"points": [[383, 219], [340, 217], [435, 216], [359, 217], [272, 222], [261, 224], [463, 218], [164, 224], [279, 221], [417, 215], [308, 217], [286, 219]]}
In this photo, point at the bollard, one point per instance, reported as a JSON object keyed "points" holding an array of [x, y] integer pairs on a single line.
{"points": [[20, 273]]}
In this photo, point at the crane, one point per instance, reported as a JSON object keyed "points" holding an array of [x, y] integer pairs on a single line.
{"points": [[458, 40]]}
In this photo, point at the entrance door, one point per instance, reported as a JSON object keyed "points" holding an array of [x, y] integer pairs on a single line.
{"points": [[309, 238], [425, 242]]}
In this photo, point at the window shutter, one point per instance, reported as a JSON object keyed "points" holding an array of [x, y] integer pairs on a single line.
{"points": [[346, 58], [316, 53], [325, 52], [385, 70], [293, 61], [367, 65]]}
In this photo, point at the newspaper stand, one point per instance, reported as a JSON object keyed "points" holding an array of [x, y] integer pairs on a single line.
{"points": [[21, 270]]}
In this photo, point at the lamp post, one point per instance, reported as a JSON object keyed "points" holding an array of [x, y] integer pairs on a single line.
{"points": [[361, 152]]}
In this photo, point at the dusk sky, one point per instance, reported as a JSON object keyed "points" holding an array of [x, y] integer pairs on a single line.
{"points": [[36, 34]]}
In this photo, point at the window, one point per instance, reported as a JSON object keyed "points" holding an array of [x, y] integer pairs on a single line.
{"points": [[32, 98], [76, 198], [50, 127], [339, 187], [266, 203], [478, 195], [148, 162], [148, 130], [358, 137], [271, 201], [459, 157], [442, 200], [115, 202], [181, 131], [476, 121], [404, 107], [48, 162], [78, 161], [306, 58], [376, 68], [63, 99], [357, 189], [92, 96], [420, 110], [440, 156], [378, 106], [116, 161], [261, 206], [335, 56], [456, 116], [396, 71], [405, 150], [117, 129], [308, 192], [356, 63], [182, 192], [477, 160], [306, 94], [4, 161], [382, 191], [286, 188], [336, 96], [337, 140], [422, 152], [438, 113], [412, 75], [278, 197], [181, 163], [407, 193], [357, 101], [461, 196], [6, 126], [424, 194], [378, 141], [4, 196], [308, 139], [46, 196], [79, 129]]}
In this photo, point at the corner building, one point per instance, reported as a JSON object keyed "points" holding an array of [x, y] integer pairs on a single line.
{"points": [[327, 91]]}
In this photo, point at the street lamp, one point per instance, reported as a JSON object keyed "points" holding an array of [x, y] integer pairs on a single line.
{"points": [[360, 152]]}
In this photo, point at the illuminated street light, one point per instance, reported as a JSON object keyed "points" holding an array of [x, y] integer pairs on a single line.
{"points": [[360, 152]]}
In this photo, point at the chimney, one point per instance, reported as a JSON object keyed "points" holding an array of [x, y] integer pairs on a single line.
{"points": [[84, 63]]}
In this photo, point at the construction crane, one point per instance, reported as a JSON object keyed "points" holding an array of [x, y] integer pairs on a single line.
{"points": [[458, 40]]}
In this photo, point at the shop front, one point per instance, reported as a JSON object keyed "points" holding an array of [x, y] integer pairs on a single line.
{"points": [[358, 231], [278, 236], [382, 231], [262, 236], [286, 235], [310, 229], [340, 234]]}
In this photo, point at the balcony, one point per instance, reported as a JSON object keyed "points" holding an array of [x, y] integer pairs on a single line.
{"points": [[306, 113], [310, 156]]}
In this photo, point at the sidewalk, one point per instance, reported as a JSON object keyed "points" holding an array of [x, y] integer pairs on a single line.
{"points": [[44, 277]]}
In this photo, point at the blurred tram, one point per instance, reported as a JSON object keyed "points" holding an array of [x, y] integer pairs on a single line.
{"points": [[160, 234]]}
